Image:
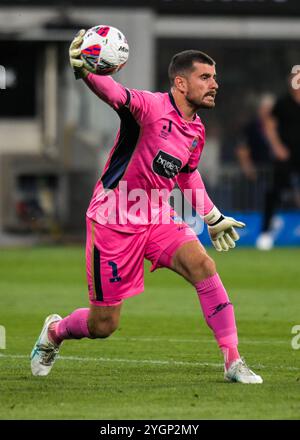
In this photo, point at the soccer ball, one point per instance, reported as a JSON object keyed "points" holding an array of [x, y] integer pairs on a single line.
{"points": [[104, 50]]}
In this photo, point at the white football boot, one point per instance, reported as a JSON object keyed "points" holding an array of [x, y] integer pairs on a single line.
{"points": [[240, 372], [44, 352]]}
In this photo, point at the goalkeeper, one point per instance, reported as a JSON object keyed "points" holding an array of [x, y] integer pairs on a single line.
{"points": [[159, 144]]}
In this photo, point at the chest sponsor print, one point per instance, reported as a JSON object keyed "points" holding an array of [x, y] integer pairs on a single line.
{"points": [[166, 165]]}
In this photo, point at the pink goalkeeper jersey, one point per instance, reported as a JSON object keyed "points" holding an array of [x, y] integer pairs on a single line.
{"points": [[155, 148]]}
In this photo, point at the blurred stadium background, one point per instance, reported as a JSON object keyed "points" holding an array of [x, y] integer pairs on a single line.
{"points": [[55, 135]]}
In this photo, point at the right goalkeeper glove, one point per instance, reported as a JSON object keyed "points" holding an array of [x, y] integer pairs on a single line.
{"points": [[74, 52], [221, 230]]}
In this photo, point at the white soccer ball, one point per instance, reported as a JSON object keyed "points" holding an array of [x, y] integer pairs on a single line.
{"points": [[104, 50]]}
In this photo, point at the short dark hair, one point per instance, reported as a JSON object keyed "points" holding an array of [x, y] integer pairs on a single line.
{"points": [[183, 62]]}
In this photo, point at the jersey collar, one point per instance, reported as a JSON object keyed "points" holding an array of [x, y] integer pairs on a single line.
{"points": [[172, 100]]}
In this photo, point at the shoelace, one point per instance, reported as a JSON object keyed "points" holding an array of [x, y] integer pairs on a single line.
{"points": [[48, 353], [243, 368]]}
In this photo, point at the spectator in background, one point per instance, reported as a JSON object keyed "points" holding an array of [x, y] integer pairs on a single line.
{"points": [[283, 133], [253, 149]]}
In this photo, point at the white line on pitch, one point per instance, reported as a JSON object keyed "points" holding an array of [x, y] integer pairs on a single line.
{"points": [[150, 361], [184, 341], [195, 341]]}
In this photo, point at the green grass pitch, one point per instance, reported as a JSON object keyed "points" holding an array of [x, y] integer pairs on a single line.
{"points": [[162, 363]]}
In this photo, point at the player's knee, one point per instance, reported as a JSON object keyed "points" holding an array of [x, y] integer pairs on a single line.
{"points": [[208, 266], [102, 329], [202, 267]]}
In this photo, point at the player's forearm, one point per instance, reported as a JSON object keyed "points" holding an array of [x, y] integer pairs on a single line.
{"points": [[107, 89], [197, 195]]}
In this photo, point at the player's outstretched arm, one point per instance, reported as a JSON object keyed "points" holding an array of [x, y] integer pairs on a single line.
{"points": [[221, 229], [193, 188], [104, 87], [141, 103], [76, 62]]}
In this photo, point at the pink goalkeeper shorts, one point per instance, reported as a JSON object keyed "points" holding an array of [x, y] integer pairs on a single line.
{"points": [[115, 259]]}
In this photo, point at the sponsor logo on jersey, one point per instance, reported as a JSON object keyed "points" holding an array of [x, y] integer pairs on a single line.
{"points": [[166, 165]]}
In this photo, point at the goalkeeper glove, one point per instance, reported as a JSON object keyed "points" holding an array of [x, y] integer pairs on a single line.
{"points": [[76, 62], [222, 229]]}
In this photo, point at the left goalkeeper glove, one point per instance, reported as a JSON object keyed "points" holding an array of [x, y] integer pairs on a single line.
{"points": [[221, 229], [76, 62]]}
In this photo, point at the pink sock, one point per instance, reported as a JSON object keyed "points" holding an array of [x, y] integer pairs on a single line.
{"points": [[219, 315], [231, 354], [74, 326]]}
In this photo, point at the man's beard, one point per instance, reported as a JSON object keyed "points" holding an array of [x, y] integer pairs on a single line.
{"points": [[198, 105]]}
